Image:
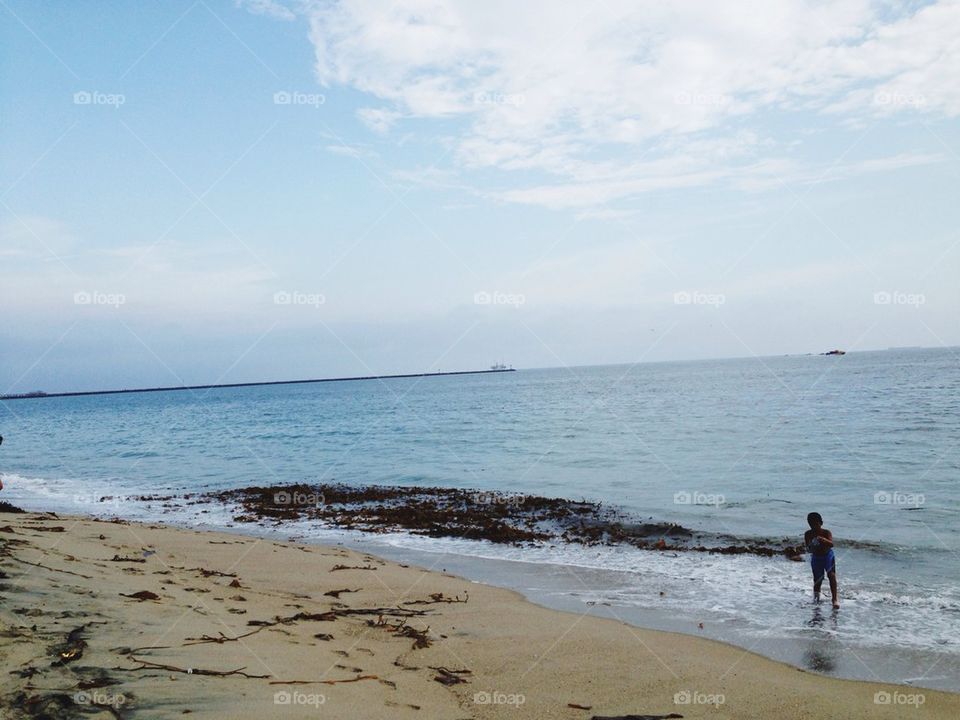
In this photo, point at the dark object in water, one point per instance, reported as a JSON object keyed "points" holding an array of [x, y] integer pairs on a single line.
{"points": [[835, 352]]}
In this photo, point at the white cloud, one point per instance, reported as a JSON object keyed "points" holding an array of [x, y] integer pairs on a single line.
{"points": [[47, 263], [270, 8], [35, 237], [560, 88]]}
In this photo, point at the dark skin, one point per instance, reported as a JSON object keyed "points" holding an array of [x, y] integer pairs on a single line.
{"points": [[826, 544]]}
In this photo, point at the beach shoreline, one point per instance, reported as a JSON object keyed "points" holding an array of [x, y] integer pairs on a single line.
{"points": [[213, 602]]}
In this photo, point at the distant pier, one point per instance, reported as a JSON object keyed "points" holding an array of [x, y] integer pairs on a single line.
{"points": [[38, 394]]}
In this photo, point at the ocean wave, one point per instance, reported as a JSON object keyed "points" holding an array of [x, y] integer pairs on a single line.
{"points": [[759, 596]]}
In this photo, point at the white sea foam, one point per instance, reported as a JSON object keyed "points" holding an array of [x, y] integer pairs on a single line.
{"points": [[762, 597]]}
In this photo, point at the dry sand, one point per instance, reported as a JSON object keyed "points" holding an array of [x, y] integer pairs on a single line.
{"points": [[517, 660]]}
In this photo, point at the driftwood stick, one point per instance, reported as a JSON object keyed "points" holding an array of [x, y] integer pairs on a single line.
{"points": [[222, 639], [47, 567], [352, 567], [440, 598], [358, 678], [147, 665]]}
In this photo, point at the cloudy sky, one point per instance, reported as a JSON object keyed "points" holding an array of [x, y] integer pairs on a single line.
{"points": [[214, 191]]}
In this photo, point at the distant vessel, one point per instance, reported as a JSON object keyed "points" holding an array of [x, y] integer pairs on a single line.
{"points": [[499, 366], [835, 352]]}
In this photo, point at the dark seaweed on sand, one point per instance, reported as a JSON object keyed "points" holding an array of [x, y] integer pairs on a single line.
{"points": [[477, 515]]}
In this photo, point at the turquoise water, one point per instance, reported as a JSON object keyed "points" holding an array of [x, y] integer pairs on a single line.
{"points": [[870, 440]]}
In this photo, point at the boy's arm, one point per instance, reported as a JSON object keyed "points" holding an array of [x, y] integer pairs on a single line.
{"points": [[826, 538]]}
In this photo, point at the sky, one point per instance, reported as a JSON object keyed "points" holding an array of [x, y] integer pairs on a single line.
{"points": [[219, 191]]}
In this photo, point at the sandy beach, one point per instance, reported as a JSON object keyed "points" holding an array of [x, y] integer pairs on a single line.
{"points": [[123, 620]]}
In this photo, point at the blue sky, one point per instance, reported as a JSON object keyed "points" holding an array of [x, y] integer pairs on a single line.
{"points": [[219, 191]]}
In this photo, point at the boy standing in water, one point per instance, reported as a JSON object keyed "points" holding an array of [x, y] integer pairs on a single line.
{"points": [[819, 543]]}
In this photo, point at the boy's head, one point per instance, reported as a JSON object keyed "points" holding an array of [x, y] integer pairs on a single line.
{"points": [[814, 520]]}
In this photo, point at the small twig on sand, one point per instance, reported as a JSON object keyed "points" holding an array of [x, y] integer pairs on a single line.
{"points": [[352, 567], [330, 682], [332, 615], [47, 567], [440, 598], [420, 638], [222, 639], [337, 593], [147, 665], [205, 572]]}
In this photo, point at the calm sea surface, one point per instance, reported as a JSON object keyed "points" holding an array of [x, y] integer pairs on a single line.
{"points": [[745, 447]]}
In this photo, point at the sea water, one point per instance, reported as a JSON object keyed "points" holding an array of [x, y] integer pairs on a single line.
{"points": [[743, 447]]}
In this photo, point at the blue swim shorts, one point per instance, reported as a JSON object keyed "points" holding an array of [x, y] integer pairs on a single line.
{"points": [[822, 564]]}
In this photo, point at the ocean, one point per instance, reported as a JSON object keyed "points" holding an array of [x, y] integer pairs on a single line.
{"points": [[743, 448]]}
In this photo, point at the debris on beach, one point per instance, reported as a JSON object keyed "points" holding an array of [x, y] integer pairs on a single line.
{"points": [[506, 518], [71, 649], [445, 676], [352, 567], [671, 716], [337, 593]]}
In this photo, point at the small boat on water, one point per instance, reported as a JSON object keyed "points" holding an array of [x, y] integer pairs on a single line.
{"points": [[835, 352], [499, 366]]}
